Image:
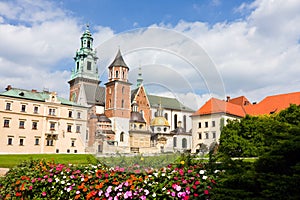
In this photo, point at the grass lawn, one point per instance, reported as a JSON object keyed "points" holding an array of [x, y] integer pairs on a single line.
{"points": [[9, 161]]}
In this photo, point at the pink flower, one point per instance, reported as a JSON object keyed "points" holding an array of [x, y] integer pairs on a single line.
{"points": [[127, 194], [30, 187], [44, 194], [173, 194], [49, 180], [143, 197], [206, 192]]}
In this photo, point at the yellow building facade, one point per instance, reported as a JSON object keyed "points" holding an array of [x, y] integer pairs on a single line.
{"points": [[40, 122]]}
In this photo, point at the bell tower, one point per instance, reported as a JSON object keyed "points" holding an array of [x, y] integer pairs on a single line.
{"points": [[117, 103], [85, 69]]}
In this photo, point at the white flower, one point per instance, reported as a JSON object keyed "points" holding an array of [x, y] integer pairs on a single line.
{"points": [[163, 189], [163, 174], [62, 182], [201, 171], [204, 177], [153, 195], [64, 177], [216, 171]]}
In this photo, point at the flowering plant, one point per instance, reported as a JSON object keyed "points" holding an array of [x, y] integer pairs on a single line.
{"points": [[39, 179]]}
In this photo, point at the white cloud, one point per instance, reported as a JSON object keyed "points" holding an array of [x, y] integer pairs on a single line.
{"points": [[255, 56]]}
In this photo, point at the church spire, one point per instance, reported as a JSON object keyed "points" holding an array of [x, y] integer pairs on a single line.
{"points": [[139, 80]]}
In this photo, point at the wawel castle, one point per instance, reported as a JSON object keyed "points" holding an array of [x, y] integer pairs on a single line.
{"points": [[120, 117]]}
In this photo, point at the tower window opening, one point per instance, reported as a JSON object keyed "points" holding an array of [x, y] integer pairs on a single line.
{"points": [[88, 44], [117, 74], [89, 65], [77, 66]]}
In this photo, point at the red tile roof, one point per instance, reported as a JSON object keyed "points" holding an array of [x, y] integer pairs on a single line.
{"points": [[240, 106], [215, 105], [273, 104], [242, 101]]}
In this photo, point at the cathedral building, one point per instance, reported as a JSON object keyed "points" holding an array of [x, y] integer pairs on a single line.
{"points": [[120, 118]]}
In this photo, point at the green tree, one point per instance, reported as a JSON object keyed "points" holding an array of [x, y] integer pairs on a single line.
{"points": [[276, 174]]}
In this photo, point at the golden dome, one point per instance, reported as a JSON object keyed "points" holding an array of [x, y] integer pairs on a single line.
{"points": [[159, 121]]}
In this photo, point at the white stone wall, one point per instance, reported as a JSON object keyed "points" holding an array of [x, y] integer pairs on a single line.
{"points": [[209, 133]]}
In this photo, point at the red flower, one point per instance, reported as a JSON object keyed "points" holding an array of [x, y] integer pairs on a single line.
{"points": [[18, 194], [206, 192]]}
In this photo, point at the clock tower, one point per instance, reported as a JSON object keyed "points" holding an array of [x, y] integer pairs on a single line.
{"points": [[85, 71]]}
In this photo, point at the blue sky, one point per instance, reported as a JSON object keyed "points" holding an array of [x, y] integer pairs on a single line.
{"points": [[123, 15], [248, 48]]}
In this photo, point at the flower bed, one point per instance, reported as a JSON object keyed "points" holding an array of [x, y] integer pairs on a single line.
{"points": [[38, 179]]}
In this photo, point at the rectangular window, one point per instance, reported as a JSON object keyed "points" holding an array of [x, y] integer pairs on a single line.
{"points": [[49, 142], [36, 109], [200, 136], [8, 106], [34, 125], [37, 141], [69, 128], [22, 124], [52, 126], [9, 141], [206, 124], [206, 135], [21, 142], [78, 115], [6, 123], [52, 111], [199, 125], [77, 129], [213, 124], [70, 113], [89, 65], [214, 134], [23, 108]]}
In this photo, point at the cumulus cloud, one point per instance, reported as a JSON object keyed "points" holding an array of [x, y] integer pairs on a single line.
{"points": [[255, 56]]}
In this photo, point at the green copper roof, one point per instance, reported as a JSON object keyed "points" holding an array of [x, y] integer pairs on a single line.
{"points": [[35, 96], [167, 103]]}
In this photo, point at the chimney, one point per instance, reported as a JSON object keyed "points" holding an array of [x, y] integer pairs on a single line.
{"points": [[227, 98], [8, 88]]}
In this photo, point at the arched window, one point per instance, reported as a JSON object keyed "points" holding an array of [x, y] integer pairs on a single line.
{"points": [[122, 137], [175, 121], [123, 90], [184, 122], [123, 75], [184, 143], [166, 116], [117, 74], [88, 44], [109, 103], [174, 141], [122, 106]]}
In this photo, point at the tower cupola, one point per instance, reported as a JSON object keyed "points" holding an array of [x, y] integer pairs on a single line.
{"points": [[118, 70]]}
